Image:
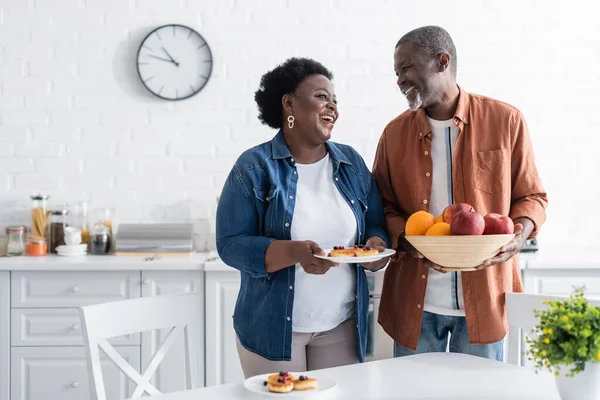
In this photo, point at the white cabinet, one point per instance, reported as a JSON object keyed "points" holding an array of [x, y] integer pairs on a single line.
{"points": [[49, 289], [222, 363], [4, 335], [44, 373], [562, 282], [170, 376]]}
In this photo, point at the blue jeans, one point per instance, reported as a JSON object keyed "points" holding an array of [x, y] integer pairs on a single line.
{"points": [[434, 338]]}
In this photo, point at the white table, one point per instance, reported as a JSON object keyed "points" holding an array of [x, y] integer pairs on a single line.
{"points": [[431, 376]]}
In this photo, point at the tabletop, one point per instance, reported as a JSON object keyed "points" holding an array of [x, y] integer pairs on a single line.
{"points": [[431, 376]]}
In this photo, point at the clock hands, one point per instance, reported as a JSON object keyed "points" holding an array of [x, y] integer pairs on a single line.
{"points": [[160, 58], [167, 53]]}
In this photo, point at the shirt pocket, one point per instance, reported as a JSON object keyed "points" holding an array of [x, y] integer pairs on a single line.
{"points": [[265, 208], [491, 173]]}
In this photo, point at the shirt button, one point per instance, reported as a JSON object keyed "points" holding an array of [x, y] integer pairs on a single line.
{"points": [[420, 134], [292, 159], [428, 174], [352, 201], [291, 287], [423, 276], [287, 224], [336, 179], [289, 319], [426, 152], [418, 306], [291, 197], [295, 172], [424, 201]]}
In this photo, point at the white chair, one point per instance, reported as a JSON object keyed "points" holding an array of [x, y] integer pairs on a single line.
{"points": [[519, 310], [179, 312]]}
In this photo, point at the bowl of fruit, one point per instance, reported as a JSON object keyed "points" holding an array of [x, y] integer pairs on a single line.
{"points": [[459, 238]]}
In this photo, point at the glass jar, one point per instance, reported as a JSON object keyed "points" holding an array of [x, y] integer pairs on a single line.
{"points": [[36, 246], [57, 221], [39, 214], [78, 218], [100, 240], [15, 240], [104, 216]]}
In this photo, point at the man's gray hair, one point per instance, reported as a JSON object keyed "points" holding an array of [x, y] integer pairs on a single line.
{"points": [[433, 41]]}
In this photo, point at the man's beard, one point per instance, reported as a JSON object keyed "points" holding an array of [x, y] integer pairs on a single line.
{"points": [[415, 103]]}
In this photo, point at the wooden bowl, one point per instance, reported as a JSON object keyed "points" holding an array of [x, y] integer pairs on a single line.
{"points": [[459, 252]]}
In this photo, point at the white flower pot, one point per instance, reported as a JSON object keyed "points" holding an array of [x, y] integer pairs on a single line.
{"points": [[583, 386]]}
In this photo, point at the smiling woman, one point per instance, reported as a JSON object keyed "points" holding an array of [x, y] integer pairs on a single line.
{"points": [[283, 203]]}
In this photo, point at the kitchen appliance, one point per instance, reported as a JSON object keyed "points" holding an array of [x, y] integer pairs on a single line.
{"points": [[530, 246], [379, 344], [165, 239]]}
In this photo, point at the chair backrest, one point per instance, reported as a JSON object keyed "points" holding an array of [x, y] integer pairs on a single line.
{"points": [[181, 313], [519, 310]]}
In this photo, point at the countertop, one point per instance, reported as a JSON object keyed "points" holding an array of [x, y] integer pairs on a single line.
{"points": [[103, 263], [210, 262]]}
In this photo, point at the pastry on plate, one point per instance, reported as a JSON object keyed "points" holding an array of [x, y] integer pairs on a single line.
{"points": [[305, 383], [356, 251], [282, 382]]}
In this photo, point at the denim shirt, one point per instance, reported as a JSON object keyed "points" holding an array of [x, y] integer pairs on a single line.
{"points": [[256, 208]]}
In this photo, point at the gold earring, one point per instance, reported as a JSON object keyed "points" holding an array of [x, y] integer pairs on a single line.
{"points": [[291, 120]]}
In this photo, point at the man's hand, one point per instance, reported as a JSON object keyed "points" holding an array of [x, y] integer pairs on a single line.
{"points": [[410, 249], [523, 228], [375, 242], [305, 253]]}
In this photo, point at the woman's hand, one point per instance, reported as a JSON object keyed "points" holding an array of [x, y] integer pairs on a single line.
{"points": [[375, 242], [305, 253]]}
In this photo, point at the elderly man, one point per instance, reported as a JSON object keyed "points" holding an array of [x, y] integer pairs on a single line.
{"points": [[451, 147]]}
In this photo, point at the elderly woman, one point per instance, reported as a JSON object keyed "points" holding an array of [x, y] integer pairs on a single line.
{"points": [[285, 201]]}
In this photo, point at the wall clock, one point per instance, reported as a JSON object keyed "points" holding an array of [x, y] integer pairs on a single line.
{"points": [[174, 62]]}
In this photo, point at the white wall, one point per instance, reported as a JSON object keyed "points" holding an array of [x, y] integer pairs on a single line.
{"points": [[75, 121]]}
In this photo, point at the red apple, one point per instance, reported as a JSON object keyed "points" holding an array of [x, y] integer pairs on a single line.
{"points": [[452, 209], [497, 224], [467, 223]]}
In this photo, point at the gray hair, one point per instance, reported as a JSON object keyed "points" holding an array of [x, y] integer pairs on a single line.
{"points": [[433, 41]]}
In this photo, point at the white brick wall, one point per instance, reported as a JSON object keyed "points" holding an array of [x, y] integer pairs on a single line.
{"points": [[75, 121]]}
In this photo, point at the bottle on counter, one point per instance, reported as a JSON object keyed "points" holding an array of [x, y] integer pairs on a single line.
{"points": [[39, 214], [15, 240], [57, 222]]}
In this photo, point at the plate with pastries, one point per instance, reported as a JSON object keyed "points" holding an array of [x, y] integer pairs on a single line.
{"points": [[288, 384], [355, 254]]}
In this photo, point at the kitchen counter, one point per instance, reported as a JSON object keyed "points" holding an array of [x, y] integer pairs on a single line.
{"points": [[561, 259], [210, 262], [103, 263]]}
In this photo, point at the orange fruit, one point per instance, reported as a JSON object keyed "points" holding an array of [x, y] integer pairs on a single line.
{"points": [[439, 229], [439, 219], [418, 223]]}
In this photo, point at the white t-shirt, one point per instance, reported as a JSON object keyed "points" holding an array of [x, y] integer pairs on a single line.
{"points": [[444, 291], [321, 214]]}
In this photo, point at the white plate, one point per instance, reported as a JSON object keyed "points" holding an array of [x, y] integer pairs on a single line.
{"points": [[255, 384], [385, 253], [72, 249], [72, 254]]}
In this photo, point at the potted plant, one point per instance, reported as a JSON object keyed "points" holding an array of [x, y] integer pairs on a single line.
{"points": [[568, 345]]}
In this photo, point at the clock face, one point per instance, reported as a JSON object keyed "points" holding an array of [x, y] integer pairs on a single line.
{"points": [[174, 62]]}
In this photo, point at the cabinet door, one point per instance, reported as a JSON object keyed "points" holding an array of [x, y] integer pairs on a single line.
{"points": [[562, 282], [4, 335], [44, 373], [222, 362], [170, 375], [51, 289]]}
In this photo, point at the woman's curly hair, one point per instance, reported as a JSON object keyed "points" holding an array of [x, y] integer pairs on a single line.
{"points": [[283, 79]]}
